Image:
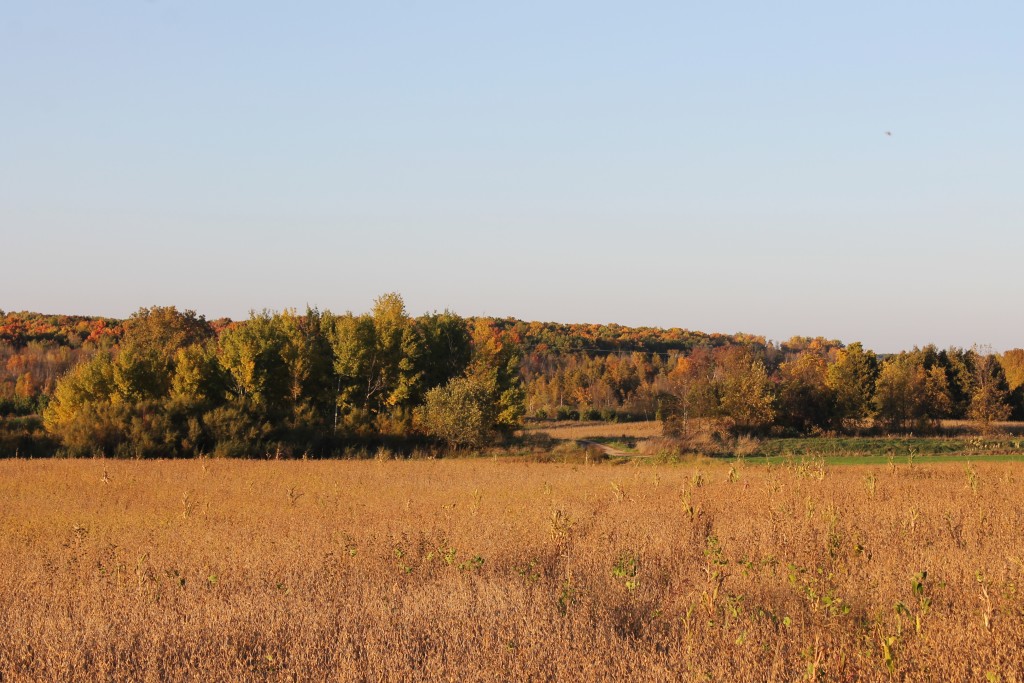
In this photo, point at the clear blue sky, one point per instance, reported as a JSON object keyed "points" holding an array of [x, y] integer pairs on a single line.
{"points": [[719, 166]]}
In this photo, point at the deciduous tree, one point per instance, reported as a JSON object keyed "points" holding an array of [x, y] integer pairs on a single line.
{"points": [[990, 398], [909, 395], [852, 378], [463, 412]]}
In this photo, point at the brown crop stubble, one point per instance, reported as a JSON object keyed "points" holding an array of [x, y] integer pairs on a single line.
{"points": [[484, 570]]}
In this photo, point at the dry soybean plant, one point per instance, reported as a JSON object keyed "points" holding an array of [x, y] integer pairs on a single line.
{"points": [[501, 570]]}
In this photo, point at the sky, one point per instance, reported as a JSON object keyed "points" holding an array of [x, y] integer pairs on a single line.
{"points": [[723, 167]]}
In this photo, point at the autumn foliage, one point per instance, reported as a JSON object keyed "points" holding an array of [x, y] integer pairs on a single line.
{"points": [[170, 383]]}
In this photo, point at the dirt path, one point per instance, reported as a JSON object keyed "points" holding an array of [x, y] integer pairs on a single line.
{"points": [[608, 450]]}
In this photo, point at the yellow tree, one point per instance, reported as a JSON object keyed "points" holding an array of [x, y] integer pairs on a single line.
{"points": [[495, 364], [990, 397], [806, 401], [1013, 367], [745, 392]]}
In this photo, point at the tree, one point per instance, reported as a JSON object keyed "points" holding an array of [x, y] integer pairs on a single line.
{"points": [[446, 349], [495, 365], [199, 379], [80, 413], [377, 361], [462, 412], [25, 386], [958, 365], [164, 330], [730, 384], [144, 363], [488, 399], [990, 398], [1013, 367], [250, 355], [237, 429], [122, 405], [353, 341], [806, 401], [306, 354], [745, 391], [692, 394], [852, 378], [140, 374], [909, 395]]}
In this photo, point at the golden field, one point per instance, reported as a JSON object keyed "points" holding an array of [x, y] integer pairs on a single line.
{"points": [[479, 570]]}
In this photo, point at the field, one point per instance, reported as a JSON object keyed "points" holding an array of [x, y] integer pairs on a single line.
{"points": [[1005, 443], [478, 569]]}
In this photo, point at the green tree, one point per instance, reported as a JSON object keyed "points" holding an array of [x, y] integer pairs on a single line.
{"points": [[199, 379], [238, 429], [353, 343], [958, 365], [377, 365], [462, 413], [80, 413], [907, 395], [124, 405], [251, 356], [852, 378], [306, 353], [140, 375], [144, 363], [446, 349]]}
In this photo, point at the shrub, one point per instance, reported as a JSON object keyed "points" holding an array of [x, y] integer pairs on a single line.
{"points": [[459, 413]]}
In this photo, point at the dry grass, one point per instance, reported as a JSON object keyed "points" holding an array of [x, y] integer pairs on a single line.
{"points": [[972, 427], [589, 430], [484, 570]]}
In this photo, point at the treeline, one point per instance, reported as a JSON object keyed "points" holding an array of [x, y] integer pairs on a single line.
{"points": [[577, 338], [825, 389], [287, 384], [18, 329], [170, 383], [798, 387], [35, 349]]}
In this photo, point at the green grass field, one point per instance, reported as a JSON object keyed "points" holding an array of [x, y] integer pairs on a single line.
{"points": [[880, 450], [881, 460], [1007, 446]]}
